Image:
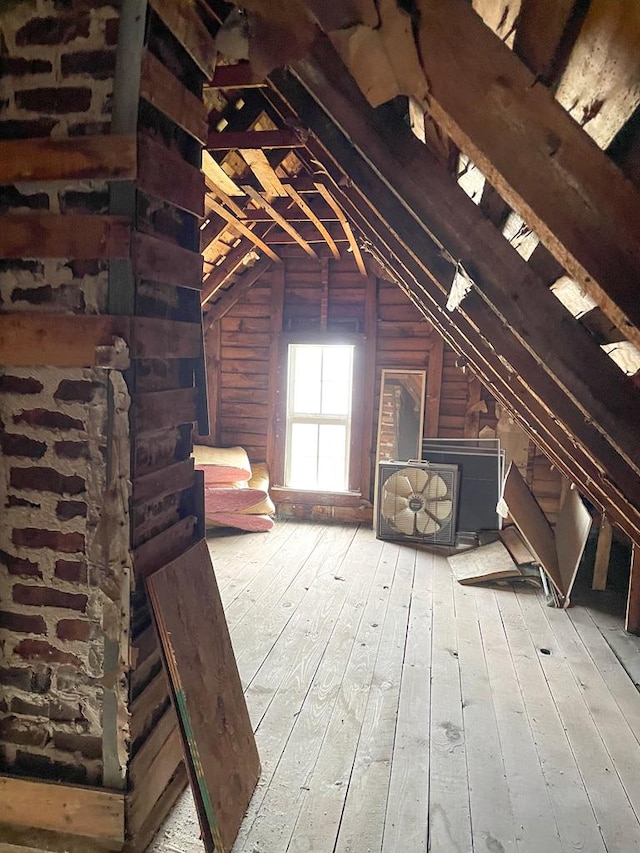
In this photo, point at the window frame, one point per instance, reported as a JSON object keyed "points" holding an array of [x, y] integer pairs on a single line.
{"points": [[357, 400]]}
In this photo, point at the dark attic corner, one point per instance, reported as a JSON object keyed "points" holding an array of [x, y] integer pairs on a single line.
{"points": [[319, 395]]}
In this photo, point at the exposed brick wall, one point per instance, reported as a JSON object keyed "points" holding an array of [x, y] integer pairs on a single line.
{"points": [[60, 581], [57, 62], [64, 470]]}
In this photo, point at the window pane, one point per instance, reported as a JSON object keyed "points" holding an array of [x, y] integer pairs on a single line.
{"points": [[303, 456], [337, 368], [332, 456], [305, 376]]}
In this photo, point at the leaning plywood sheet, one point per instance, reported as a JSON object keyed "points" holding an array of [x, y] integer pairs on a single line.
{"points": [[572, 531], [512, 540], [532, 524], [558, 552], [483, 565], [217, 735]]}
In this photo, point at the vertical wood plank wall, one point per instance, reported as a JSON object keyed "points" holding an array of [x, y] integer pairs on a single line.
{"points": [[245, 382]]}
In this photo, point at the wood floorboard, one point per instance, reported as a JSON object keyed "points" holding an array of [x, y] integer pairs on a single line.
{"points": [[397, 711]]}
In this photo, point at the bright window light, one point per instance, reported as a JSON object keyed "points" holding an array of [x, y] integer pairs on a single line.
{"points": [[319, 416]]}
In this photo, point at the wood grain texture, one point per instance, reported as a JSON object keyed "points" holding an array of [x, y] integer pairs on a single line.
{"points": [[164, 174], [62, 808], [76, 158], [31, 340], [158, 260], [158, 409], [48, 235], [166, 93], [556, 158], [183, 21], [206, 688], [172, 542]]}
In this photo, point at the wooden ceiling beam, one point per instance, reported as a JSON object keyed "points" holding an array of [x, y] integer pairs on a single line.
{"points": [[216, 177], [255, 196], [240, 76], [541, 39], [262, 140], [564, 432], [535, 154], [346, 225], [264, 172], [306, 209], [242, 229], [503, 278], [563, 448], [285, 207], [239, 289], [223, 271]]}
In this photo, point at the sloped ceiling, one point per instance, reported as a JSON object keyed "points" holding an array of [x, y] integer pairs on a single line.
{"points": [[465, 147]]}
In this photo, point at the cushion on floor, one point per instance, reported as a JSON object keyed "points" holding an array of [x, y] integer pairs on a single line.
{"points": [[254, 523], [222, 465]]}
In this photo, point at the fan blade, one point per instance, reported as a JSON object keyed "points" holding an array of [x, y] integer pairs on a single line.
{"points": [[425, 524], [441, 509], [399, 484], [405, 522], [437, 488], [417, 477], [392, 504]]}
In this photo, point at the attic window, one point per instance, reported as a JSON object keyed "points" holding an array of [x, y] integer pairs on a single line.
{"points": [[319, 392]]}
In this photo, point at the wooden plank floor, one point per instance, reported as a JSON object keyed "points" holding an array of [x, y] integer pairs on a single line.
{"points": [[398, 712]]}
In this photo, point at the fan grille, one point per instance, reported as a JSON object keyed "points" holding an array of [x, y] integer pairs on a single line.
{"points": [[417, 502]]}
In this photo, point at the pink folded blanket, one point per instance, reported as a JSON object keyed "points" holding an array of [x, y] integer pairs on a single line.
{"points": [[222, 499], [254, 523]]}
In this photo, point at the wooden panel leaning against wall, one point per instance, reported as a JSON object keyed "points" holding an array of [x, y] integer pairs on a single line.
{"points": [[246, 360]]}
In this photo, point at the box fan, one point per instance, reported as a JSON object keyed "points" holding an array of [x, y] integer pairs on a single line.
{"points": [[417, 502]]}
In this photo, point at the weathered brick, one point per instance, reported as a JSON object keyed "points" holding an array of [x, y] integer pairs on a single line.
{"points": [[23, 732], [43, 767], [43, 596], [66, 712], [19, 565], [100, 64], [68, 296], [66, 510], [21, 445], [29, 709], [90, 128], [22, 623], [18, 264], [56, 710], [45, 418], [111, 27], [32, 537], [87, 745], [41, 650], [71, 570], [11, 197], [33, 295], [53, 30], [20, 384], [12, 500], [75, 390], [70, 99], [72, 449], [26, 128], [46, 480], [18, 66], [31, 679], [74, 629]]}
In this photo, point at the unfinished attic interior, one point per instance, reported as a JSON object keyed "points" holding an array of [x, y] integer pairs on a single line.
{"points": [[319, 418]]}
